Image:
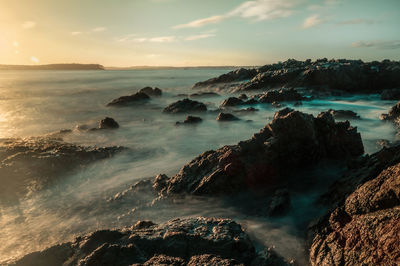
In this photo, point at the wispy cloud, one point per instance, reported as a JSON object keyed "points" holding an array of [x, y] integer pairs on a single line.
{"points": [[28, 24], [393, 44], [201, 22], [99, 29], [76, 33], [163, 39], [199, 36], [257, 10], [358, 21], [312, 21]]}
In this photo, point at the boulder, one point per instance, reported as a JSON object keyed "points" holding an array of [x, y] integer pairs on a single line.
{"points": [[185, 106], [226, 117], [192, 241], [393, 115], [151, 92], [293, 140], [243, 96], [231, 101], [129, 100], [280, 96], [343, 114], [108, 123], [190, 120]]}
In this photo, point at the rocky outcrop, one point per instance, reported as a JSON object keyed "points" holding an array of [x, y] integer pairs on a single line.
{"points": [[223, 117], [343, 114], [393, 115], [190, 120], [192, 241], [341, 74], [129, 100], [108, 123], [291, 141], [185, 106], [30, 164], [232, 101], [284, 95], [364, 228], [151, 92]]}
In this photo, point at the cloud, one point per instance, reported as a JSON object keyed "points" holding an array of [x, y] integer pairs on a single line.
{"points": [[199, 36], [34, 59], [357, 21], [257, 10], [163, 39], [28, 24], [386, 45], [99, 29], [312, 21], [76, 33], [200, 22]]}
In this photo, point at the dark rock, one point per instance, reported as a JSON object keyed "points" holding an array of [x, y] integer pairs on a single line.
{"points": [[190, 120], [31, 164], [231, 101], [291, 141], [243, 96], [280, 96], [192, 241], [393, 115], [151, 92], [391, 94], [184, 106], [129, 100], [236, 75], [365, 228], [226, 117], [204, 94], [108, 123], [343, 114], [251, 102]]}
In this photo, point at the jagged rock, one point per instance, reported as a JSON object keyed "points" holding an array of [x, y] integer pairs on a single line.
{"points": [[129, 100], [251, 102], [190, 120], [280, 96], [243, 96], [226, 117], [321, 74], [291, 141], [393, 115], [192, 241], [343, 114], [184, 106], [151, 92], [231, 101], [365, 228], [390, 94], [30, 164], [108, 123]]}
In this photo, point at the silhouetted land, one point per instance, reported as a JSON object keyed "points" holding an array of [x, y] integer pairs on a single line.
{"points": [[53, 67]]}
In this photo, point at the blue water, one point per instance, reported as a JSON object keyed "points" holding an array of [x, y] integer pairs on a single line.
{"points": [[34, 103]]}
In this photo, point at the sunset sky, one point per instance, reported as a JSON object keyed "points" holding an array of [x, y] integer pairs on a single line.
{"points": [[192, 32]]}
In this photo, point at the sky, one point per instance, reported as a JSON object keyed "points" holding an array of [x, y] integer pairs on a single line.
{"points": [[196, 33]]}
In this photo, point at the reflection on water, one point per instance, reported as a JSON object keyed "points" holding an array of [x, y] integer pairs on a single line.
{"points": [[39, 102]]}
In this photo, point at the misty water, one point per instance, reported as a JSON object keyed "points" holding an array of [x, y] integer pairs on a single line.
{"points": [[35, 103]]}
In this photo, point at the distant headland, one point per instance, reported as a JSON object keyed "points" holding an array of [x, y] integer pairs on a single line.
{"points": [[53, 67]]}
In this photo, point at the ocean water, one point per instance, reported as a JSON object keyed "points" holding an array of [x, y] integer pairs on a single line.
{"points": [[35, 103]]}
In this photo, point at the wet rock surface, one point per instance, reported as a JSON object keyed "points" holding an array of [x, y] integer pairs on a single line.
{"points": [[184, 106], [343, 114], [393, 115], [364, 228], [340, 74], [191, 241], [30, 164], [224, 117], [130, 100], [232, 101], [150, 91], [292, 140], [190, 120], [108, 123]]}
